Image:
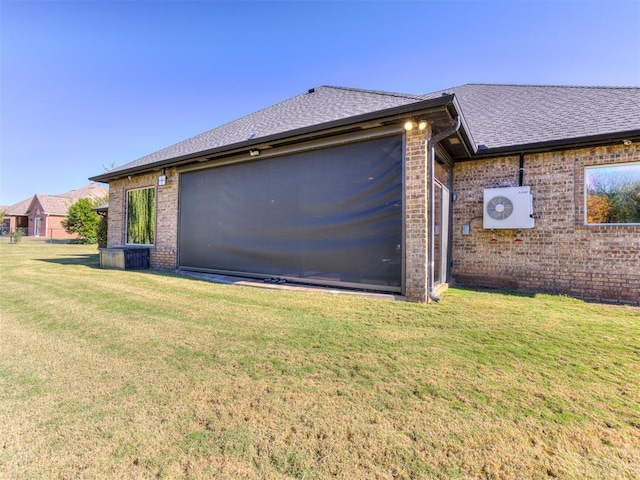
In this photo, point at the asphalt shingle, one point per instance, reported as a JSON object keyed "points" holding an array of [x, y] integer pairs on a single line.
{"points": [[509, 115], [54, 205], [321, 105], [497, 116], [58, 204], [92, 191], [20, 208]]}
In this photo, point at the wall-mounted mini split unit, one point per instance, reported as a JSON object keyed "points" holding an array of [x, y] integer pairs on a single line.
{"points": [[508, 207]]}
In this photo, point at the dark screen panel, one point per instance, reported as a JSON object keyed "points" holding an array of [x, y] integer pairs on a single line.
{"points": [[333, 214]]}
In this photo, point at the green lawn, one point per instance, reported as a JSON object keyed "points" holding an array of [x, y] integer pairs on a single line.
{"points": [[112, 374]]}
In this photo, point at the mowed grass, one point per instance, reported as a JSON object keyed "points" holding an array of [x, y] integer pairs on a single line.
{"points": [[114, 374]]}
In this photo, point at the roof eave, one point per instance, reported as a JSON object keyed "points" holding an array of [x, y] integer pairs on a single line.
{"points": [[560, 144], [464, 132], [298, 135]]}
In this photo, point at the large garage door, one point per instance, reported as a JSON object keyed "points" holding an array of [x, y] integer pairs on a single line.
{"points": [[329, 216]]}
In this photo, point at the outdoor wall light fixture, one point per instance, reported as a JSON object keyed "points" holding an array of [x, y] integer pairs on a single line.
{"points": [[162, 179], [254, 153], [410, 125]]}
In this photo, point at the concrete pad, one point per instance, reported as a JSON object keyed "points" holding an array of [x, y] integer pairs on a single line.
{"points": [[288, 286]]}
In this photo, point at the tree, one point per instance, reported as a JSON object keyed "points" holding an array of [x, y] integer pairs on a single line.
{"points": [[141, 214], [613, 197], [102, 232], [599, 209], [83, 220]]}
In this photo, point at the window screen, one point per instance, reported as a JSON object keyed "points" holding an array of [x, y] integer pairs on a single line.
{"points": [[330, 216]]}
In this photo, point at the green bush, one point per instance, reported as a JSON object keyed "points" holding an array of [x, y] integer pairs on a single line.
{"points": [[83, 220], [16, 236], [102, 232]]}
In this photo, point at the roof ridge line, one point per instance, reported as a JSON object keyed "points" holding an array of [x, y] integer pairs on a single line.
{"points": [[220, 126], [391, 94], [377, 92], [51, 195]]}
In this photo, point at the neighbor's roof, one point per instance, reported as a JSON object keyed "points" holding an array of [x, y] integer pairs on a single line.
{"points": [[20, 208], [501, 116], [58, 204], [52, 204], [498, 117], [92, 191]]}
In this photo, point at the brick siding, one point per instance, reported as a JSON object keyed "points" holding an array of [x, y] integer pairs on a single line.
{"points": [[560, 254], [50, 225], [164, 251], [416, 225], [55, 230]]}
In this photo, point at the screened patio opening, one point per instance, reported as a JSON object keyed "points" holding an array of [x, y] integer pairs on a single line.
{"points": [[329, 216]]}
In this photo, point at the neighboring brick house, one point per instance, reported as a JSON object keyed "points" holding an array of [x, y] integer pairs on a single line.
{"points": [[42, 215], [4, 226], [391, 192], [16, 216]]}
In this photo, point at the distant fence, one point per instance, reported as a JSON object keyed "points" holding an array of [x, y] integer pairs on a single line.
{"points": [[50, 234], [60, 234], [6, 231]]}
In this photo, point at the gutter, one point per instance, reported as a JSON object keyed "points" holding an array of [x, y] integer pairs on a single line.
{"points": [[431, 152], [469, 142], [555, 145]]}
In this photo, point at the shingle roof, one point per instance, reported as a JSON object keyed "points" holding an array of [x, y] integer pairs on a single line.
{"points": [[91, 191], [20, 208], [317, 106], [497, 116], [58, 204], [53, 204], [509, 115]]}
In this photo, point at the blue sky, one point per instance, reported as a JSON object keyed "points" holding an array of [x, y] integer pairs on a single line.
{"points": [[88, 84]]}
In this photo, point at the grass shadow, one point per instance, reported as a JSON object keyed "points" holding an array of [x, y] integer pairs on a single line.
{"points": [[91, 260]]}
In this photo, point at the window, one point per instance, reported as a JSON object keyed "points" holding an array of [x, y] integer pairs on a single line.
{"points": [[141, 216], [613, 194]]}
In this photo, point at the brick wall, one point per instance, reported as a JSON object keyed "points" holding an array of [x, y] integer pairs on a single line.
{"points": [[165, 255], [164, 251], [416, 226], [116, 218], [559, 255], [55, 230], [50, 225]]}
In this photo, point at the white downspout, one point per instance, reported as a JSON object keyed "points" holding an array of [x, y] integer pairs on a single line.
{"points": [[431, 152]]}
